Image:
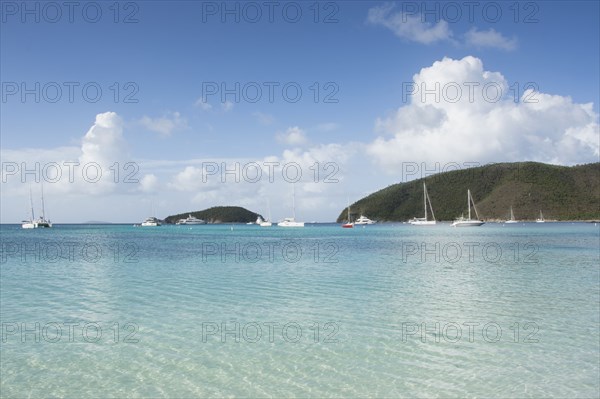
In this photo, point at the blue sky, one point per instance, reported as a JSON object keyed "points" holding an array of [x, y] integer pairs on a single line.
{"points": [[364, 59]]}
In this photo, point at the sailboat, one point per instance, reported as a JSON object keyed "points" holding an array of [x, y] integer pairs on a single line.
{"points": [[348, 224], [541, 218], [462, 222], [265, 223], [41, 222], [29, 224], [291, 222], [512, 217], [423, 221]]}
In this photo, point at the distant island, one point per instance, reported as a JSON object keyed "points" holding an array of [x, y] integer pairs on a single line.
{"points": [[217, 214], [561, 192]]}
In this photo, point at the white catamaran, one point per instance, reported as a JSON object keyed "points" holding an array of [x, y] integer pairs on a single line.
{"points": [[423, 221], [462, 222], [41, 222]]}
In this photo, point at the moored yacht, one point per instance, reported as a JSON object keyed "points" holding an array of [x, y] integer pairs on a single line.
{"points": [[512, 217], [423, 221], [349, 224], [462, 222], [40, 222], [291, 222], [541, 218], [263, 223], [364, 220], [191, 220], [151, 222]]}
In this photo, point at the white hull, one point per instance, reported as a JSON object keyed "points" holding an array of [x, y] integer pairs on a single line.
{"points": [[263, 223], [422, 222], [467, 223], [364, 220], [41, 221], [190, 220], [290, 223], [151, 222], [38, 224], [541, 218], [512, 217]]}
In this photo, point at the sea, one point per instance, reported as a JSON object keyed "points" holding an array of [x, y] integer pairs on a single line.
{"points": [[384, 310]]}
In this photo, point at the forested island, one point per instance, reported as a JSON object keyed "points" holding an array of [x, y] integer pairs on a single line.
{"points": [[218, 214], [561, 192]]}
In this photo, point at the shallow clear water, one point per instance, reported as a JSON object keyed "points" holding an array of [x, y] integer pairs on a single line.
{"points": [[382, 311]]}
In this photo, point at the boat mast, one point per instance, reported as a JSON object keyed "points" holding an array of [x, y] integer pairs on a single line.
{"points": [[430, 206], [31, 203], [473, 202], [469, 202], [294, 201], [425, 199], [348, 210], [43, 210]]}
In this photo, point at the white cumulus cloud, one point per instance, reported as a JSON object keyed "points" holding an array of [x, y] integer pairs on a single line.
{"points": [[293, 136], [483, 123], [164, 125]]}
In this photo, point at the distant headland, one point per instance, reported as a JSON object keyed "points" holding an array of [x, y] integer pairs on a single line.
{"points": [[561, 192]]}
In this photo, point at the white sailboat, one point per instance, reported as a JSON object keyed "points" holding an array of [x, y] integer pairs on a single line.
{"points": [[29, 224], [462, 222], [265, 223], [512, 217], [423, 221], [291, 222], [541, 218]]}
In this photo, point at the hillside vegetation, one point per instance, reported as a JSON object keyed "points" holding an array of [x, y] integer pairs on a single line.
{"points": [[218, 214], [562, 193]]}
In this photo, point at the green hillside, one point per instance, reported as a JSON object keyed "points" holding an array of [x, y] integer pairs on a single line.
{"points": [[561, 192], [218, 214]]}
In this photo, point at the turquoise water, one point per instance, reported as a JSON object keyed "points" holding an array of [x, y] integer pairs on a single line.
{"points": [[225, 311]]}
